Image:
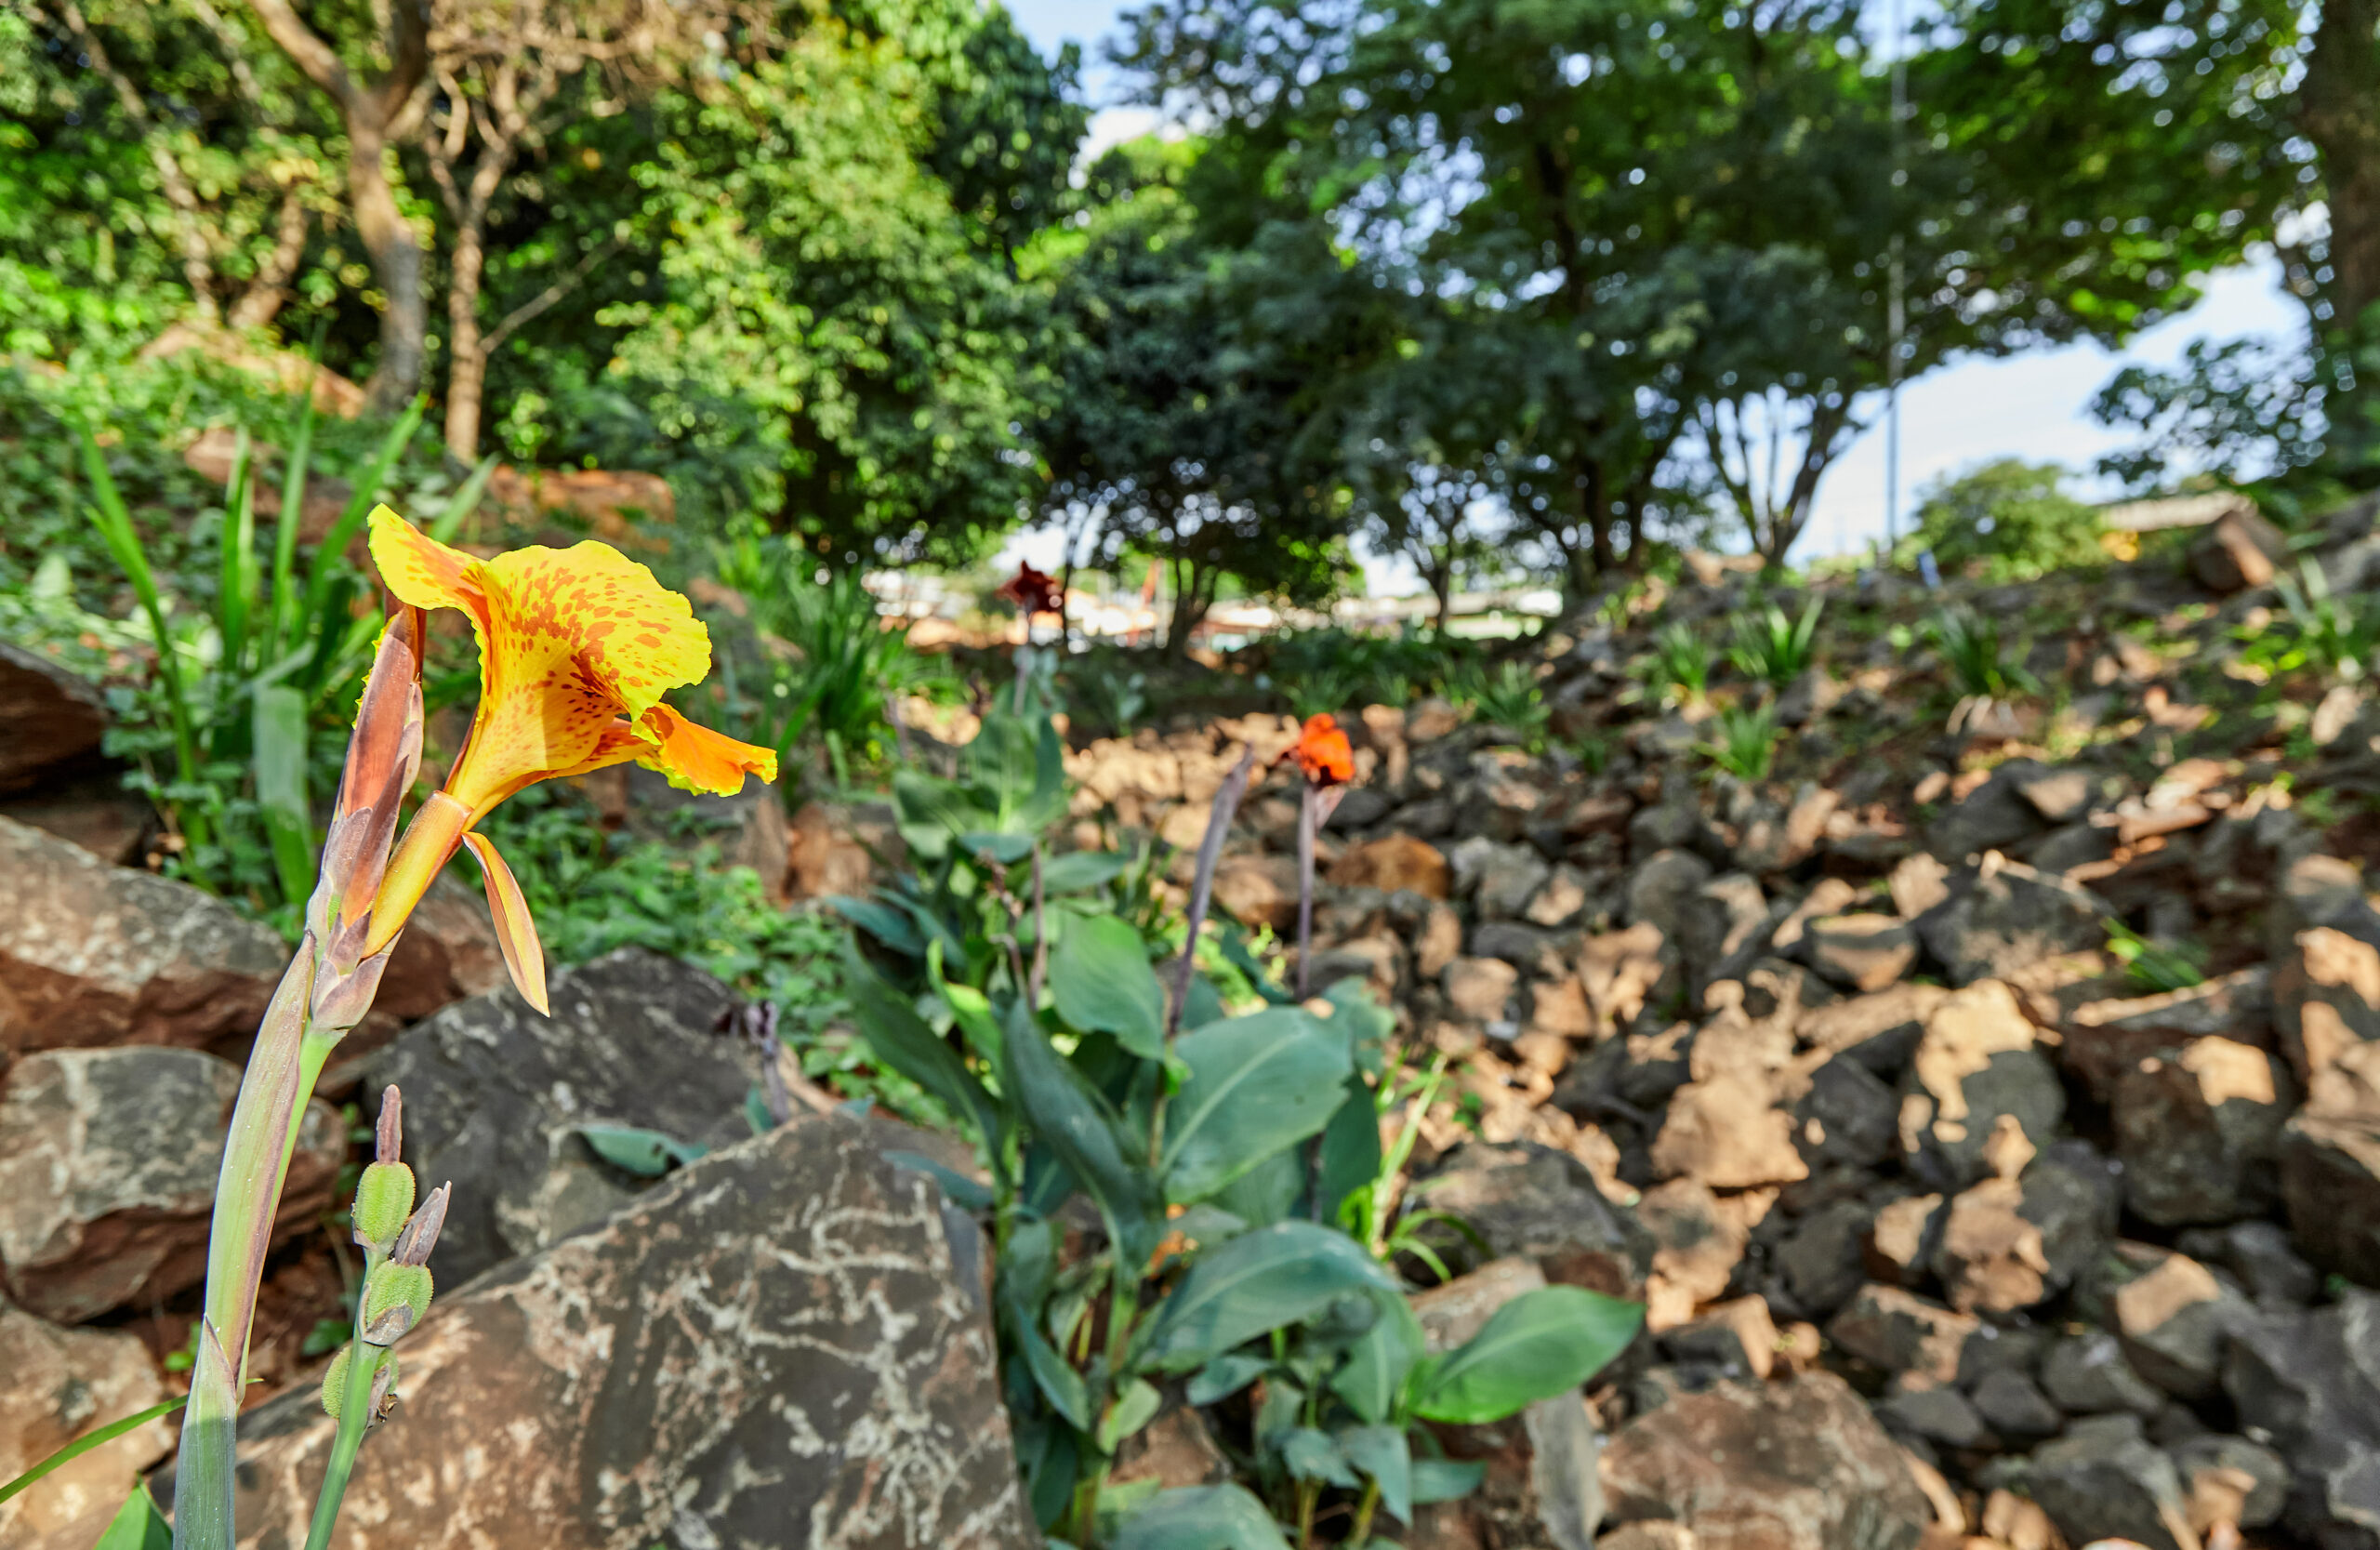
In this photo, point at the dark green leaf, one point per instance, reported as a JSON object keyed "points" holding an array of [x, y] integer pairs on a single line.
{"points": [[1136, 1405], [1077, 870], [1077, 1124], [882, 921], [1312, 1455], [1005, 849], [931, 812], [1257, 1283], [1223, 1377], [1266, 1193], [1100, 973], [1444, 1479], [903, 1040], [1258, 1085], [1382, 1454], [1351, 1154], [1202, 1517], [1379, 1365], [1539, 1344]]}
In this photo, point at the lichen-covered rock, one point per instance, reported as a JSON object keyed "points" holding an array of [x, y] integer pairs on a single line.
{"points": [[59, 1385], [1793, 1465], [92, 953], [108, 1164], [2197, 1131], [776, 1345], [496, 1096], [2001, 918]]}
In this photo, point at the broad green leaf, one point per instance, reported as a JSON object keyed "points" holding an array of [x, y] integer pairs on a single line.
{"points": [[277, 729], [1077, 1124], [1444, 1479], [1351, 1154], [969, 1007], [1539, 1344], [929, 811], [138, 1526], [1202, 1517], [1258, 1085], [1059, 1384], [1002, 761], [1314, 1455], [992, 845], [1368, 1024], [1257, 1283], [1136, 1405], [1045, 1455], [1266, 1193], [880, 920], [1099, 973], [1202, 1005], [901, 1039], [1225, 1376], [1379, 1365], [359, 504], [647, 1154], [1077, 870], [1382, 1454]]}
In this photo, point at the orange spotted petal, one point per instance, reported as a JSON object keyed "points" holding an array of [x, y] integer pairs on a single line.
{"points": [[419, 568], [516, 933], [633, 637], [697, 759]]}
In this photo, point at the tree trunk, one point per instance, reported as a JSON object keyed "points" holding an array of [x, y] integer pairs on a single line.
{"points": [[466, 355], [2340, 112], [1595, 510], [396, 258], [374, 117], [1189, 607], [262, 301], [1442, 590]]}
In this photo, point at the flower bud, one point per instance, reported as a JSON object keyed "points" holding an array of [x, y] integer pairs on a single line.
{"points": [[383, 1200], [396, 1298], [334, 1380]]}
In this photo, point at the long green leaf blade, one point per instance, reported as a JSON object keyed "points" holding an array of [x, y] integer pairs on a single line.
{"points": [[96, 1438], [278, 735]]}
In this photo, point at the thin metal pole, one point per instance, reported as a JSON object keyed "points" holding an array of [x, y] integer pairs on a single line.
{"points": [[1896, 313]]}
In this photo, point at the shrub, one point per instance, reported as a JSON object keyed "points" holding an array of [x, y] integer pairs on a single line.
{"points": [[1746, 743], [1774, 649], [2009, 516]]}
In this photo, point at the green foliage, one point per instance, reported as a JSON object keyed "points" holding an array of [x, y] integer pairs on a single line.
{"points": [[1969, 646], [1678, 669], [246, 701], [810, 662], [1507, 697], [2239, 411], [2336, 636], [2009, 519], [1746, 742], [2156, 967], [1021, 989], [1774, 649], [1341, 670]]}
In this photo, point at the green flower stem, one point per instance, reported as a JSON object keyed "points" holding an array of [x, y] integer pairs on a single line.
{"points": [[354, 1416], [282, 1070]]}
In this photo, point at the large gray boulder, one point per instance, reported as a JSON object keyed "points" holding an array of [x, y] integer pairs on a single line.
{"points": [[496, 1097], [108, 1165], [94, 954], [779, 1344]]}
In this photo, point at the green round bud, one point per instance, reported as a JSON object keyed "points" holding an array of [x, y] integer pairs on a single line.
{"points": [[334, 1380], [396, 1298], [383, 1200]]}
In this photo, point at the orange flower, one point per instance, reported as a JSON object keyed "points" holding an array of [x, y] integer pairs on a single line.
{"points": [[1323, 753], [576, 648]]}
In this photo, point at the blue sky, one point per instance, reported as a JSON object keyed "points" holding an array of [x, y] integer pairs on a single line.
{"points": [[2031, 406]]}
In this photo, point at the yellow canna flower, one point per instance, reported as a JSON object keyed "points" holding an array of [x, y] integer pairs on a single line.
{"points": [[576, 648]]}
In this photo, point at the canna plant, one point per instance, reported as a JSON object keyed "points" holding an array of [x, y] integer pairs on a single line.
{"points": [[577, 647], [1218, 1125]]}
